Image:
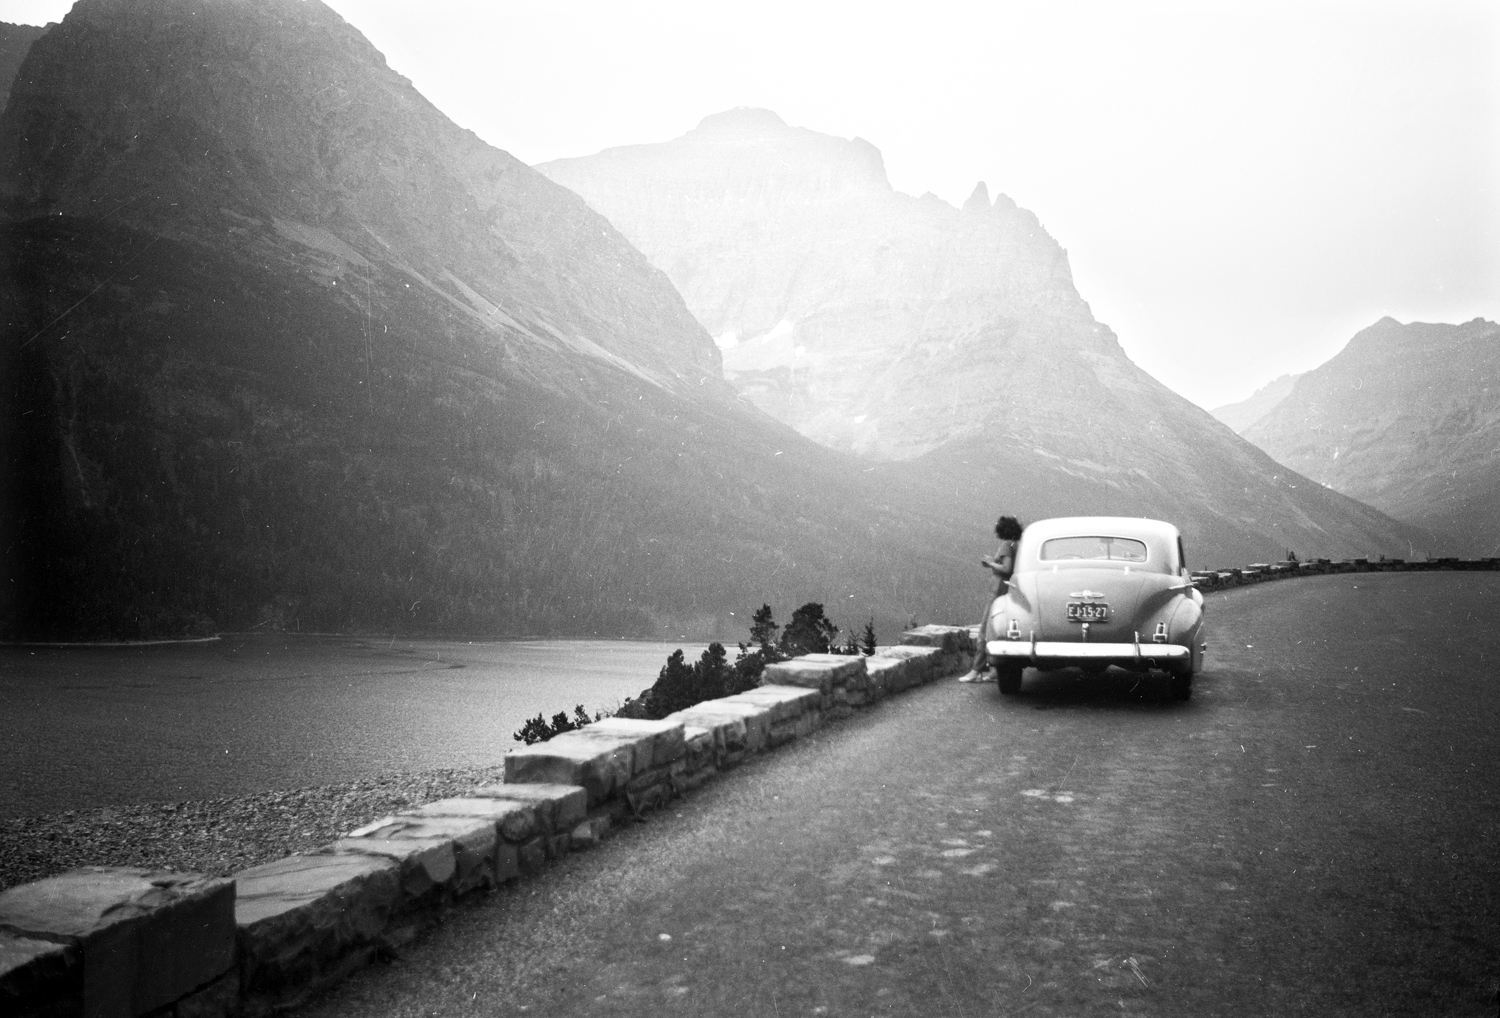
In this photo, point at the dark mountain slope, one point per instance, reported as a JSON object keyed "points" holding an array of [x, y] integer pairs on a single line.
{"points": [[285, 347], [15, 41], [952, 340], [277, 129], [1406, 418]]}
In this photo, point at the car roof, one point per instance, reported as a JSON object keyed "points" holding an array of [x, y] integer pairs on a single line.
{"points": [[1104, 526]]}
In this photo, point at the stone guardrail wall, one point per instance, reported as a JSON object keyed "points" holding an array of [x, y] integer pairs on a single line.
{"points": [[1260, 572], [119, 943]]}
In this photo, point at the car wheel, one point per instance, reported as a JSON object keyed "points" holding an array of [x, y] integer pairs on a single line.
{"points": [[1008, 677]]}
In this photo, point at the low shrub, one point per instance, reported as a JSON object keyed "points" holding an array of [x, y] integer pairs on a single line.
{"points": [[680, 685], [540, 730]]}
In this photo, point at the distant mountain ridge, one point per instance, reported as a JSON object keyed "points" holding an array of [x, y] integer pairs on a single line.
{"points": [[1406, 418], [1262, 401], [284, 347], [831, 294], [951, 340]]}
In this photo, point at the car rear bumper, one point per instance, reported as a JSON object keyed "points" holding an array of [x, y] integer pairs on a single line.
{"points": [[1050, 653]]}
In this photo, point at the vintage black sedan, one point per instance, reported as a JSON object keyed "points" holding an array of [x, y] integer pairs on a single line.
{"points": [[1098, 591]]}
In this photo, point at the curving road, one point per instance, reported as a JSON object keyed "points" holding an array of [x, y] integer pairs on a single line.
{"points": [[1316, 833]]}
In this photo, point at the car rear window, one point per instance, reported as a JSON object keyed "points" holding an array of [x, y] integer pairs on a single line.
{"points": [[1114, 549]]}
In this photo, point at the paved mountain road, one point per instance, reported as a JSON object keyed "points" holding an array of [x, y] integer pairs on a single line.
{"points": [[1316, 832]]}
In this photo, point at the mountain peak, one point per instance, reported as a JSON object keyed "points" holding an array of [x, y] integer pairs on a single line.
{"points": [[743, 118], [979, 201]]}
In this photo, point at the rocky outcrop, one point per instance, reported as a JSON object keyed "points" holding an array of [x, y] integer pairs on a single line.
{"points": [[1406, 418], [949, 340], [979, 201], [1240, 416]]}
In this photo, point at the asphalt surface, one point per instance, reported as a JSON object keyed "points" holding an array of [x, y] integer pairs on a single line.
{"points": [[1316, 832]]}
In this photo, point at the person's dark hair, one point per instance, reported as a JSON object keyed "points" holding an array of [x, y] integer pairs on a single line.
{"points": [[1008, 528]]}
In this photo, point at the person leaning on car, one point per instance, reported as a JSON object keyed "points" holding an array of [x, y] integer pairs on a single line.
{"points": [[1008, 529]]}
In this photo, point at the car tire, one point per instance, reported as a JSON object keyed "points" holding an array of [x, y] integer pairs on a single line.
{"points": [[1008, 678], [1181, 685]]}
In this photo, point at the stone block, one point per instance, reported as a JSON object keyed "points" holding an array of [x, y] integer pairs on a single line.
{"points": [[600, 764], [699, 745], [948, 639], [726, 731], [822, 672], [584, 837], [923, 665], [558, 807], [651, 789], [39, 979], [887, 674], [437, 854], [216, 1000], [781, 734], [516, 821], [507, 862], [651, 797], [891, 674], [306, 920], [953, 664], [784, 702], [426, 867], [711, 713], [533, 854], [656, 742], [143, 938], [591, 832], [650, 779]]}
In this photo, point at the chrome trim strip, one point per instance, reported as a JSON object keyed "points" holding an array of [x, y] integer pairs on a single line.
{"points": [[1053, 651]]}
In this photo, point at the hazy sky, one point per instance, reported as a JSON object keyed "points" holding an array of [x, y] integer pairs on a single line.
{"points": [[1240, 186]]}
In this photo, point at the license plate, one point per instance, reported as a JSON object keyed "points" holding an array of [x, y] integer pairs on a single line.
{"points": [[1079, 611]]}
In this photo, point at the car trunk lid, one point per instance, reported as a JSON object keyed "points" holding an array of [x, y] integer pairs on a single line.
{"points": [[1121, 588]]}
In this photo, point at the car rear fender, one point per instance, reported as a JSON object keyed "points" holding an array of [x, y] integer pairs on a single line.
{"points": [[1187, 618]]}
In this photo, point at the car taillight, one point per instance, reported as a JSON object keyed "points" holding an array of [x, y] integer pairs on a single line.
{"points": [[1160, 636], [1013, 631]]}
